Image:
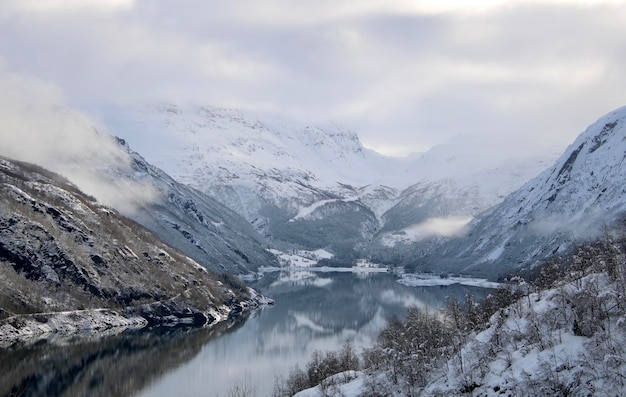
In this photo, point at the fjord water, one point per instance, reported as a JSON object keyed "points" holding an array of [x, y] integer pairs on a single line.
{"points": [[313, 311]]}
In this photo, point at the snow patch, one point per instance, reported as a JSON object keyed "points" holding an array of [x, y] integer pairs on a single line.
{"points": [[30, 328]]}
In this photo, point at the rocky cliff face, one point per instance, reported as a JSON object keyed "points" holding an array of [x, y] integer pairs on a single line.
{"points": [[66, 262]]}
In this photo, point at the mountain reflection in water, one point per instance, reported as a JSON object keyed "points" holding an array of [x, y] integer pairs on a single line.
{"points": [[117, 365], [313, 311]]}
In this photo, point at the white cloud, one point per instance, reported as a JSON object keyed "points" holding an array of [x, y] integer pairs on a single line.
{"points": [[453, 226], [481, 6], [35, 129]]}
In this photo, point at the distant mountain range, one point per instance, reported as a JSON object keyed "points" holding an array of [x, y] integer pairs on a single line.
{"points": [[120, 242], [239, 186], [318, 187]]}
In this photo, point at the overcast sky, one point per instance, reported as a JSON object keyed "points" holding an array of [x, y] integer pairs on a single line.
{"points": [[405, 75]]}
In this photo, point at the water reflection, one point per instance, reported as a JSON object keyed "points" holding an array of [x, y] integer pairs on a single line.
{"points": [[115, 365], [312, 311]]}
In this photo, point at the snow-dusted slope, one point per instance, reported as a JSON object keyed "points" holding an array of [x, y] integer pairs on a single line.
{"points": [[67, 263], [314, 186], [568, 339], [207, 146], [575, 199]]}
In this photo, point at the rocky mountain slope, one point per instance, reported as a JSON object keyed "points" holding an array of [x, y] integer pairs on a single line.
{"points": [[580, 197], [198, 225], [67, 263], [315, 187]]}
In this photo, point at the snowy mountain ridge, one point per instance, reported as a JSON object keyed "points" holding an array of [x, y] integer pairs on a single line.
{"points": [[232, 145]]}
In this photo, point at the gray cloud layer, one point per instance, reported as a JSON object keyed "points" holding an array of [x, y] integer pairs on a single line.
{"points": [[404, 76]]}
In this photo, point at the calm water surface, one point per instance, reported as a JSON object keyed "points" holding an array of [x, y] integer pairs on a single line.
{"points": [[313, 311]]}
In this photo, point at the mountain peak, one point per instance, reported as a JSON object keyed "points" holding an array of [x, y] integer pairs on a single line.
{"points": [[595, 160]]}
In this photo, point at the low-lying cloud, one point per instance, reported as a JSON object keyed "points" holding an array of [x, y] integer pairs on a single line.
{"points": [[36, 129], [583, 226], [452, 226]]}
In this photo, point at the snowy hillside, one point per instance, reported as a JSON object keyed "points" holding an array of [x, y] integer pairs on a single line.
{"points": [[560, 334], [313, 186], [574, 200]]}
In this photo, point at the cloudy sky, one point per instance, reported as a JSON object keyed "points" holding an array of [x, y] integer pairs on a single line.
{"points": [[404, 74]]}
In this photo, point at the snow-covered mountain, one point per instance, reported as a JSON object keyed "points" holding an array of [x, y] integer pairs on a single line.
{"points": [[239, 159], [316, 187], [579, 197], [461, 193], [208, 146], [105, 167]]}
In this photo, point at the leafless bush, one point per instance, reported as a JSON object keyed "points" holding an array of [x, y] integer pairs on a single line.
{"points": [[321, 366]]}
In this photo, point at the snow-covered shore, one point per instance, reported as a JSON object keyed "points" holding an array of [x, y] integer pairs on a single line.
{"points": [[28, 328], [326, 269], [33, 327]]}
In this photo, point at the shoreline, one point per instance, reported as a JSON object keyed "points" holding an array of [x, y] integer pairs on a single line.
{"points": [[33, 327]]}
